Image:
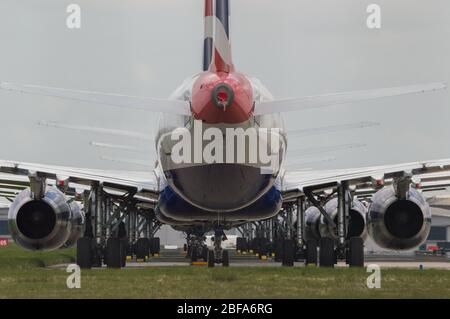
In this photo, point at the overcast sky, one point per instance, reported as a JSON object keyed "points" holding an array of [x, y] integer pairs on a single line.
{"points": [[296, 47]]}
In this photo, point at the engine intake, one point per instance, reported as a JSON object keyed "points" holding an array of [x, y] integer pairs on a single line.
{"points": [[356, 223], [317, 226], [398, 223], [45, 224]]}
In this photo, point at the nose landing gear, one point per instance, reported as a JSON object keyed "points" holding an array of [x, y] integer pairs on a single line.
{"points": [[218, 255]]}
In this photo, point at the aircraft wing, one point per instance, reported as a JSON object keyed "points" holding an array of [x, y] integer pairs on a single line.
{"points": [[14, 177], [145, 183], [426, 175]]}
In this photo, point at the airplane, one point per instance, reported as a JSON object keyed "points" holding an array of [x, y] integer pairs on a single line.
{"points": [[333, 210]]}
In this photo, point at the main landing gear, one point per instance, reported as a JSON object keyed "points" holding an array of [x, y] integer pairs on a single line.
{"points": [[117, 230], [315, 239], [197, 249], [342, 247]]}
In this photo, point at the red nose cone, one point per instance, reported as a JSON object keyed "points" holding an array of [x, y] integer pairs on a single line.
{"points": [[222, 98]]}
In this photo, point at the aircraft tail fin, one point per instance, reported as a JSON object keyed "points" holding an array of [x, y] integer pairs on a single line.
{"points": [[217, 17], [208, 42]]}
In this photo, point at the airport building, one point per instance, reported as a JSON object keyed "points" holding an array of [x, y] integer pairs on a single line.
{"points": [[440, 229], [3, 221]]}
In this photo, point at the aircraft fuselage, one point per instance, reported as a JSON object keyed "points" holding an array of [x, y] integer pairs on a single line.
{"points": [[221, 163]]}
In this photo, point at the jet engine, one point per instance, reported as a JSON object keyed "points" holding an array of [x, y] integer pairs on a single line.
{"points": [[396, 222], [317, 226], [356, 223], [50, 222], [312, 217]]}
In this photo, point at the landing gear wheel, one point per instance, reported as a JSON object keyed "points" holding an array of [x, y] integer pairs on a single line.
{"points": [[155, 246], [98, 255], [278, 250], [263, 248], [240, 244], [129, 250], [225, 259], [142, 248], [327, 254], [84, 253], [189, 251], [205, 253], [113, 256], [311, 252], [288, 253], [211, 259], [194, 257], [254, 245], [124, 251], [245, 245], [356, 252]]}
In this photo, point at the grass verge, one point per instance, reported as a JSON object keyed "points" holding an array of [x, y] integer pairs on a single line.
{"points": [[22, 275]]}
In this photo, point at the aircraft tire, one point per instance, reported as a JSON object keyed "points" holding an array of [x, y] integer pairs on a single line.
{"points": [[84, 253], [225, 258], [113, 257], [211, 259], [194, 256], [326, 254], [278, 250], [205, 253], [142, 248], [288, 253], [155, 246], [240, 244], [311, 252], [356, 252], [244, 244], [189, 251], [123, 247], [263, 247]]}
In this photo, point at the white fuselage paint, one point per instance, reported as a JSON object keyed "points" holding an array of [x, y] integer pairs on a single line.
{"points": [[168, 123]]}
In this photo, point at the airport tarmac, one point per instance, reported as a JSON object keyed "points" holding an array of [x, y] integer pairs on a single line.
{"points": [[178, 259], [382, 264]]}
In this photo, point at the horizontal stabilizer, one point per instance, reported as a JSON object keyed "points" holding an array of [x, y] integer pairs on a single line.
{"points": [[330, 129], [124, 101], [100, 130], [328, 100]]}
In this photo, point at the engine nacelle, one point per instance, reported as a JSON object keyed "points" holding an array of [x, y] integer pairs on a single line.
{"points": [[312, 218], [356, 223], [400, 224], [45, 224], [317, 227]]}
